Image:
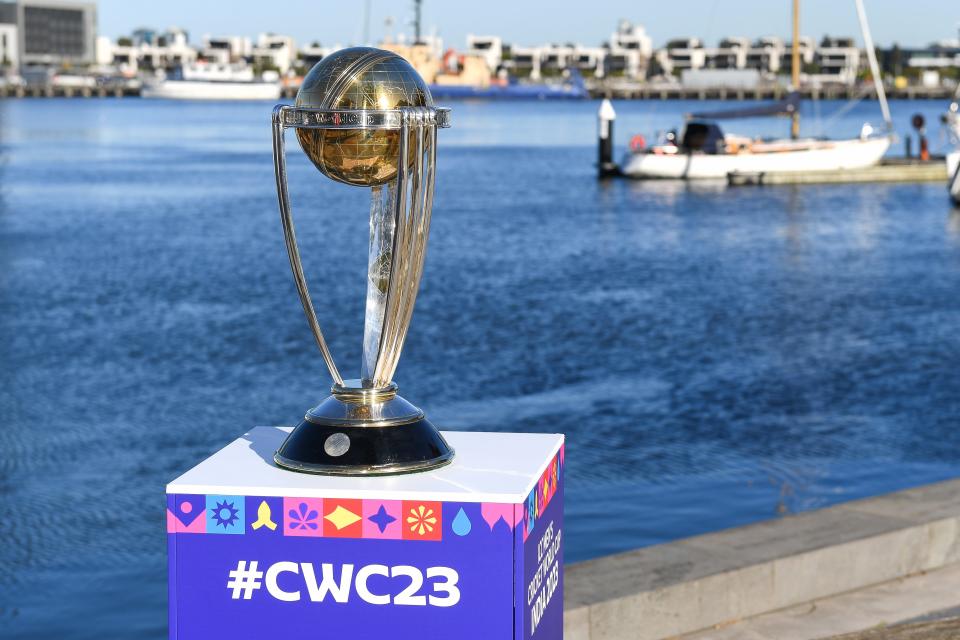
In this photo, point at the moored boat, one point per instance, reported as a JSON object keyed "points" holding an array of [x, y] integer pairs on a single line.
{"points": [[952, 118], [204, 81], [953, 171], [702, 151]]}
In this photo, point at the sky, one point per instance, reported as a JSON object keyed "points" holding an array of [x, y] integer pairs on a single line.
{"points": [[533, 22]]}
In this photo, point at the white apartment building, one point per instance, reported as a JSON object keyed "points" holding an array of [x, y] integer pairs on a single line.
{"points": [[146, 51], [554, 58], [525, 61], [731, 53], [226, 49], [313, 53], [630, 50], [939, 55], [275, 51], [490, 48], [765, 54], [681, 54], [807, 55], [838, 60], [589, 60], [626, 54]]}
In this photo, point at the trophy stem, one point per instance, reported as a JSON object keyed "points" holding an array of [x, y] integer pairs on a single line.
{"points": [[382, 225]]}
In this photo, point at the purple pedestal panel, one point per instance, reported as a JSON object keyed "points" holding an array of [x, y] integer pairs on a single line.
{"points": [[246, 565]]}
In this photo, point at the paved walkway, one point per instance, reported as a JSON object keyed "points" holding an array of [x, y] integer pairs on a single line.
{"points": [[867, 613], [940, 630]]}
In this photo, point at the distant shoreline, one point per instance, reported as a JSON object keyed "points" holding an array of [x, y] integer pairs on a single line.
{"points": [[638, 92]]}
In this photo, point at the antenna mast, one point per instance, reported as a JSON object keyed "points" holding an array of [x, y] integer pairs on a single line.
{"points": [[417, 5], [795, 68]]}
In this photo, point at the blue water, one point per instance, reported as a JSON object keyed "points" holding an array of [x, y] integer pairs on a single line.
{"points": [[715, 355]]}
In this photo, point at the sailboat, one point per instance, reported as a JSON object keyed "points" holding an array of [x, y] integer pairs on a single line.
{"points": [[703, 151], [953, 171], [952, 118]]}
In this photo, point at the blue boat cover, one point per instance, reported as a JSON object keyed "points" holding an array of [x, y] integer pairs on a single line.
{"points": [[787, 106]]}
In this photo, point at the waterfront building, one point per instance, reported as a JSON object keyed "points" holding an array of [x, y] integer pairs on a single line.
{"points": [[313, 53], [807, 53], [51, 32], [226, 50], [680, 54], [765, 54], [628, 52], [730, 54], [490, 48], [928, 66], [589, 60], [524, 62], [554, 58], [836, 61], [275, 52], [938, 56], [147, 50]]}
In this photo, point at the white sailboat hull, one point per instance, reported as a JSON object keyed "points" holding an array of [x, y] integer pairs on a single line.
{"points": [[817, 156], [953, 171], [216, 90], [953, 123]]}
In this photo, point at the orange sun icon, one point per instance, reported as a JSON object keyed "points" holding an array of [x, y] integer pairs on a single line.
{"points": [[421, 520]]}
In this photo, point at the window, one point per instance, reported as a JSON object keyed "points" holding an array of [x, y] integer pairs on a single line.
{"points": [[49, 31]]}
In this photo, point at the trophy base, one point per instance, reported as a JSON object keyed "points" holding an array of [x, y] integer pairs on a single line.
{"points": [[364, 450]]}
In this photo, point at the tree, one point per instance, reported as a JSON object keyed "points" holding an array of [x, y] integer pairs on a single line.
{"points": [[895, 61]]}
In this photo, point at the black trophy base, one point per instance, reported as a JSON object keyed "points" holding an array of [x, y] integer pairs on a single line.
{"points": [[364, 450]]}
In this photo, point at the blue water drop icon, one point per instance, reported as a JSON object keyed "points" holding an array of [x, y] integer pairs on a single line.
{"points": [[461, 523]]}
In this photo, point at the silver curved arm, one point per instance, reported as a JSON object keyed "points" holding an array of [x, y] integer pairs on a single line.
{"points": [[411, 230], [286, 217]]}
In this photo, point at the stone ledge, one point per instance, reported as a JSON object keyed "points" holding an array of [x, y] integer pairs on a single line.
{"points": [[692, 584]]}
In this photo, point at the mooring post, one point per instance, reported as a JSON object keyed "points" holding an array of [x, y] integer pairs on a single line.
{"points": [[605, 118], [920, 124]]}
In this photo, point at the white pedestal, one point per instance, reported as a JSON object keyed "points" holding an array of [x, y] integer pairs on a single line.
{"points": [[471, 550]]}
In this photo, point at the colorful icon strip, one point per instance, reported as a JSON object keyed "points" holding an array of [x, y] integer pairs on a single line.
{"points": [[334, 517], [546, 487]]}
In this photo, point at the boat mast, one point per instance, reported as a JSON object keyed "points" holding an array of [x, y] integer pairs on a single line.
{"points": [[874, 67], [795, 68]]}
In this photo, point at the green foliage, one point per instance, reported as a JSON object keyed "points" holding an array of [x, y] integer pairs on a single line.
{"points": [[259, 66]]}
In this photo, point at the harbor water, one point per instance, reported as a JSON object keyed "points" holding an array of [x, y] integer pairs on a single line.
{"points": [[715, 355]]}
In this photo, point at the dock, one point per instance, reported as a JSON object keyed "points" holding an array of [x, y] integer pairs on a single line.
{"points": [[889, 170], [50, 91], [890, 559], [626, 90]]}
